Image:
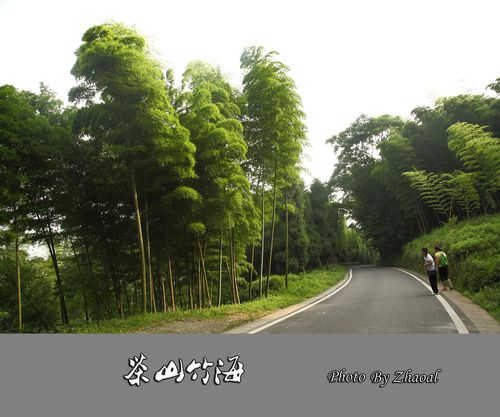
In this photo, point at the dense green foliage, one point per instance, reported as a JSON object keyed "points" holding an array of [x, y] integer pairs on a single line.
{"points": [[153, 197], [402, 178], [219, 319], [473, 250]]}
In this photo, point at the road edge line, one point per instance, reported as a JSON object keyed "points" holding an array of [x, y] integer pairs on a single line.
{"points": [[457, 321], [300, 310]]}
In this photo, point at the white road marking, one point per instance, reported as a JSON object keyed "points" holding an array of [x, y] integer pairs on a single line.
{"points": [[459, 324], [259, 329]]}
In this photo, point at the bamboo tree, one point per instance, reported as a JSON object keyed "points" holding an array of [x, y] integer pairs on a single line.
{"points": [[219, 292], [141, 245], [252, 268], [262, 245], [18, 282], [123, 93], [235, 267], [273, 222], [222, 190], [286, 241], [84, 292], [161, 285], [171, 284], [274, 128], [152, 300]]}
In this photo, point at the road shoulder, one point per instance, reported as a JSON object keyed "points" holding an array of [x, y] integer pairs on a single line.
{"points": [[474, 317], [263, 321]]}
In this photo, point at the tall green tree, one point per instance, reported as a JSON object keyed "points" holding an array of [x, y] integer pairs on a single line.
{"points": [[19, 129], [274, 130], [125, 105], [211, 115], [34, 133]]}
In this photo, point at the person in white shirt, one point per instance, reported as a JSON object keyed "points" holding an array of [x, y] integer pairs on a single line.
{"points": [[430, 268]]}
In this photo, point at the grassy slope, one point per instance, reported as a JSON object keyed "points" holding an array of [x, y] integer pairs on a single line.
{"points": [[473, 248], [219, 319]]}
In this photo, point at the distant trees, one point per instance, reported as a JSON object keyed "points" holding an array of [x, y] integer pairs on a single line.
{"points": [[402, 178]]}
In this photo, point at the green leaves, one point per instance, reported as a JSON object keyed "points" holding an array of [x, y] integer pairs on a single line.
{"points": [[273, 119], [433, 189], [211, 116], [126, 102], [400, 178]]}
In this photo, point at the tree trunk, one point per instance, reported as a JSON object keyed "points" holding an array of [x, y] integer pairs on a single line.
{"points": [[483, 203], [189, 275], [49, 240], [52, 250], [230, 276], [141, 244], [422, 220], [96, 284], [199, 284], [62, 302], [161, 284], [235, 269], [136, 296], [251, 273], [419, 225], [219, 293], [261, 275], [171, 284], [85, 305], [272, 225], [152, 300], [18, 280], [178, 287], [286, 241], [116, 284], [127, 299], [230, 267], [204, 274]]}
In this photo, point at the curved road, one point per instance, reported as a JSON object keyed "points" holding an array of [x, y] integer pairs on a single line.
{"points": [[376, 300]]}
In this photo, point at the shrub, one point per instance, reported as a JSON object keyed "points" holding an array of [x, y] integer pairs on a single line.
{"points": [[276, 282], [242, 284], [4, 321], [489, 299], [473, 250]]}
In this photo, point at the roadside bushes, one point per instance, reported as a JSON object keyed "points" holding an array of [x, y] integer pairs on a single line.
{"points": [[276, 283], [488, 298], [473, 249]]}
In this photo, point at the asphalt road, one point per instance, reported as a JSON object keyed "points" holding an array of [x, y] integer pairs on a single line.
{"points": [[376, 300]]}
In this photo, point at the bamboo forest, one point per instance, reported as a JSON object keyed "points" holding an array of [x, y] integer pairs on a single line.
{"points": [[150, 195]]}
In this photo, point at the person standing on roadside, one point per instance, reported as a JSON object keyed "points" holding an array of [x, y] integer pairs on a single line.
{"points": [[442, 265], [430, 268]]}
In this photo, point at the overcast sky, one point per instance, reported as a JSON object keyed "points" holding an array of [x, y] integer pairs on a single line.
{"points": [[346, 57]]}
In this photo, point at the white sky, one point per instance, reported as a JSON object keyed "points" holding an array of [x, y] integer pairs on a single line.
{"points": [[347, 57]]}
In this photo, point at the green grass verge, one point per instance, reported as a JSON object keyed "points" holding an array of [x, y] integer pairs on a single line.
{"points": [[300, 287], [487, 298], [473, 249]]}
